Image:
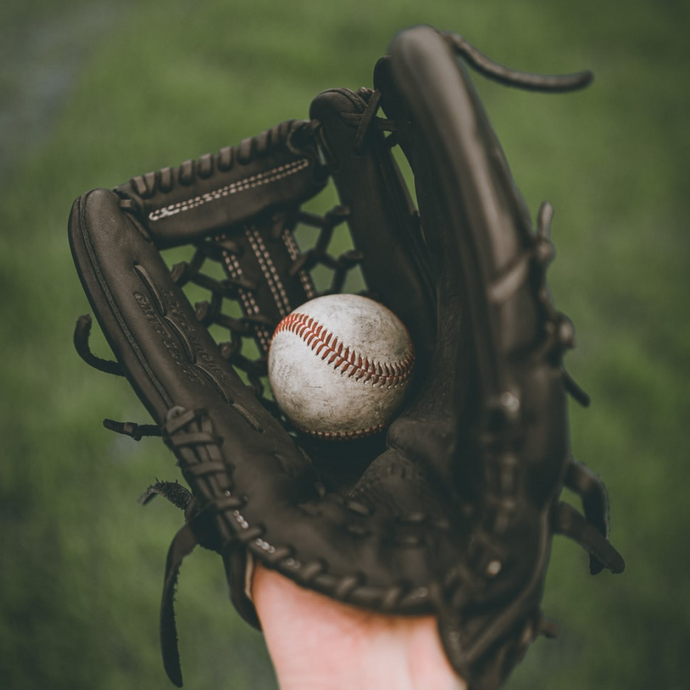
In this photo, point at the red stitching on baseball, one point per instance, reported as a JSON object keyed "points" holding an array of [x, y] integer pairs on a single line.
{"points": [[326, 345], [345, 435]]}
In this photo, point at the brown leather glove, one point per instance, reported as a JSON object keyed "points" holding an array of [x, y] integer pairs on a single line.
{"points": [[451, 510]]}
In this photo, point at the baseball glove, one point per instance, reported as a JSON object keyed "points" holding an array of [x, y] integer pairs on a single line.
{"points": [[452, 509]]}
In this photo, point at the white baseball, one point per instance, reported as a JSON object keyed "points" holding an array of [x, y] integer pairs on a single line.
{"points": [[339, 366]]}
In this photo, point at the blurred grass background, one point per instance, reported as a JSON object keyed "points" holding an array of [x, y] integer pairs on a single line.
{"points": [[93, 92]]}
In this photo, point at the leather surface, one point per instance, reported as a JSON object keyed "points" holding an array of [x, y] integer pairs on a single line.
{"points": [[451, 511], [218, 190]]}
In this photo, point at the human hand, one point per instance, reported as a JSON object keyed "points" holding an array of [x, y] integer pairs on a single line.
{"points": [[316, 643]]}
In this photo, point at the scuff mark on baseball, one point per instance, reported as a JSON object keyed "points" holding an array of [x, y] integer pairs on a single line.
{"points": [[339, 366]]}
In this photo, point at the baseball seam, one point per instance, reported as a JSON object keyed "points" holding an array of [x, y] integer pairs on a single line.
{"points": [[344, 358], [345, 435]]}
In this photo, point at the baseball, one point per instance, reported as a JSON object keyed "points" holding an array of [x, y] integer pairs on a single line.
{"points": [[339, 366]]}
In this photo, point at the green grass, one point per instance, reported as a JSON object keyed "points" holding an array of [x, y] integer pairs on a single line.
{"points": [[156, 83]]}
